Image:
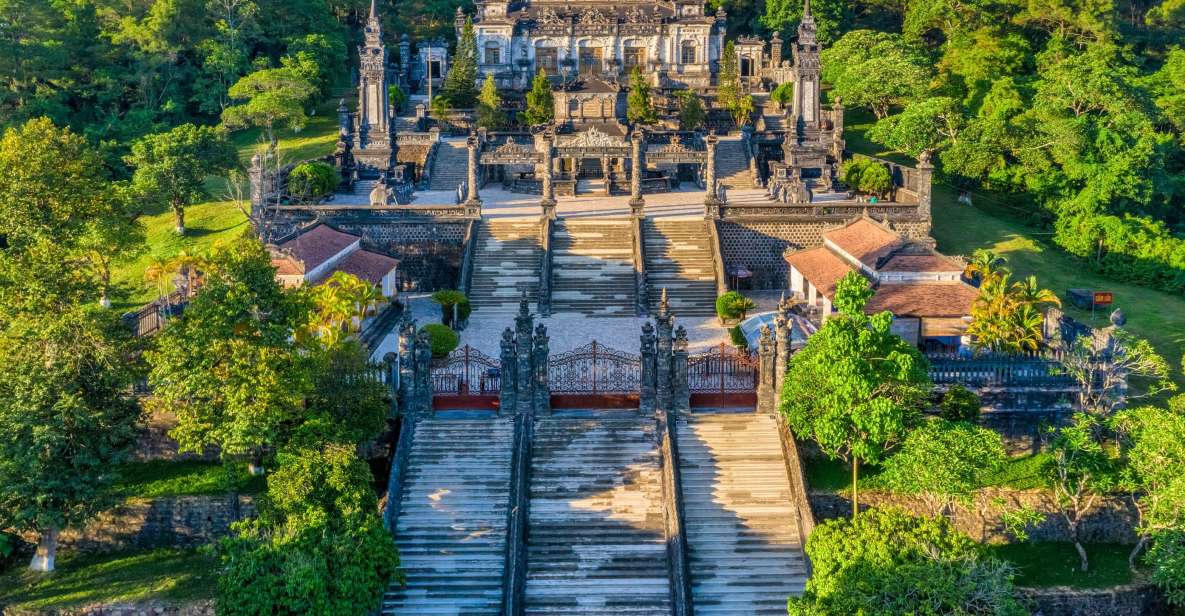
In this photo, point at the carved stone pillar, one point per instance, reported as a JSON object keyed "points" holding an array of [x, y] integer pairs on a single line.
{"points": [[766, 400], [662, 373], [256, 175], [548, 189], [539, 355], [636, 167], [523, 323], [925, 177], [648, 403], [471, 176], [605, 174], [422, 400], [407, 358], [781, 351], [507, 380], [391, 373], [711, 201], [680, 386]]}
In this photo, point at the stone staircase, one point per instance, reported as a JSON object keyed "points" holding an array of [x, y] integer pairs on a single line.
{"points": [[506, 264], [732, 164], [596, 541], [450, 166], [362, 188], [679, 259], [775, 119], [745, 552], [451, 529], [592, 267]]}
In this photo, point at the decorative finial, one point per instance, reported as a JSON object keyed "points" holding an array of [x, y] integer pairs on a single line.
{"points": [[663, 306], [524, 306], [374, 9]]}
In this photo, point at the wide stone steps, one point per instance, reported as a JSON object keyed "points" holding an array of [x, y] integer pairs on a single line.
{"points": [[592, 267], [679, 260], [506, 264], [450, 166], [732, 164], [745, 553], [596, 542], [451, 529]]}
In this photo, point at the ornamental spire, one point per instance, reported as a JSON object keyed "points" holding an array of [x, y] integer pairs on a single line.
{"points": [[374, 11]]}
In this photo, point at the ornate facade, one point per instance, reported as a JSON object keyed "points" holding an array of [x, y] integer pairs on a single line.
{"points": [[674, 41], [374, 134]]}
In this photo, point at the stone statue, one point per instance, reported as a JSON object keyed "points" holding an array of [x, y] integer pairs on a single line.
{"points": [[380, 193]]}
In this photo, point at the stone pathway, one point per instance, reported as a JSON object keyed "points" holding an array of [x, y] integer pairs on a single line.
{"points": [[570, 331]]}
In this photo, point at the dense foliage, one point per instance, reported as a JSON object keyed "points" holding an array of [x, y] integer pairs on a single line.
{"points": [[441, 338], [888, 562], [733, 305], [540, 102], [639, 107], [312, 180]]}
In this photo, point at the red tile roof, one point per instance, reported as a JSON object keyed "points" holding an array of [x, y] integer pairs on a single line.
{"points": [[317, 245], [820, 267], [932, 262], [924, 299], [367, 265], [864, 240]]}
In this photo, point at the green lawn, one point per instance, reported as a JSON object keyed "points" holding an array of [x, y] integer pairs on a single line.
{"points": [[159, 478], [961, 230], [217, 220], [165, 575], [1056, 564], [826, 475]]}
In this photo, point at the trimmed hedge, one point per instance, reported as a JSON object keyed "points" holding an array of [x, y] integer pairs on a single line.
{"points": [[312, 180], [733, 305], [443, 339]]}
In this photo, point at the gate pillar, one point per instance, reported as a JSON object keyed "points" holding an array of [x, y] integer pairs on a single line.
{"points": [[664, 323], [766, 396], [539, 357], [507, 381], [648, 387], [680, 386]]}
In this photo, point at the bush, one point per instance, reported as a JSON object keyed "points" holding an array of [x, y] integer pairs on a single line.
{"points": [[738, 338], [960, 404], [311, 180], [783, 94], [733, 305], [443, 339], [875, 180], [852, 170], [447, 298]]}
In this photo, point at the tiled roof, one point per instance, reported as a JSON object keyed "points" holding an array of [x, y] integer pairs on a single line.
{"points": [[820, 267], [932, 262], [317, 245], [924, 299], [287, 266], [367, 265], [864, 240]]}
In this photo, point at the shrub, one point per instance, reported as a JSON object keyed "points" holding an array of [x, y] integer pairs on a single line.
{"points": [[312, 180], [447, 298], [395, 97], [960, 404], [852, 170], [733, 305], [875, 179], [443, 339], [783, 94], [738, 338]]}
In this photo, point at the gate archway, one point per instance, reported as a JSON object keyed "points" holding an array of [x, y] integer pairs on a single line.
{"points": [[466, 379], [595, 376], [722, 376]]}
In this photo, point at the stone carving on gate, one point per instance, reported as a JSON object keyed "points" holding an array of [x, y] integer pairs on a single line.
{"points": [[524, 351], [415, 370], [664, 383], [593, 138], [511, 153], [595, 17], [675, 152], [549, 17]]}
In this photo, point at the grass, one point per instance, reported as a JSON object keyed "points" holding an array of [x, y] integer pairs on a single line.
{"points": [[826, 475], [961, 230], [160, 478], [216, 220], [165, 575], [1042, 565]]}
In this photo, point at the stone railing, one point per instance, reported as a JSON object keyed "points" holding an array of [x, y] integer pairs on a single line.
{"points": [[471, 231], [641, 300], [544, 299], [676, 534], [385, 213], [717, 258], [798, 486], [997, 370], [514, 580], [808, 212]]}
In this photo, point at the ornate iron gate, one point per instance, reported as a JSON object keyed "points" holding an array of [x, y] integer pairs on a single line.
{"points": [[594, 376], [467, 378], [722, 376]]}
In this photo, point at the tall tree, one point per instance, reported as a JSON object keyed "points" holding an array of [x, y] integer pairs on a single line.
{"points": [[540, 102], [171, 167], [728, 90], [1080, 471], [460, 85], [855, 388], [945, 462], [831, 17], [875, 70], [691, 111], [922, 128], [489, 106], [639, 108], [269, 97], [1153, 442], [65, 420]]}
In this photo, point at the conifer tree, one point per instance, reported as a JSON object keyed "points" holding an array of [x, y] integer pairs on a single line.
{"points": [[460, 85], [489, 106], [540, 104], [728, 90], [691, 111], [639, 109]]}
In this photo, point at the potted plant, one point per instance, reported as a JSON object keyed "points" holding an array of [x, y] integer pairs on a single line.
{"points": [[732, 307]]}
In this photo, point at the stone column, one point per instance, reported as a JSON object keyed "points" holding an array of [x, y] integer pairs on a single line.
{"points": [[256, 175], [636, 167], [680, 386], [471, 176], [648, 392], [605, 174], [507, 379], [781, 351], [422, 400], [925, 177], [711, 201], [407, 358], [766, 402], [662, 372], [539, 357], [391, 373], [548, 190], [523, 324]]}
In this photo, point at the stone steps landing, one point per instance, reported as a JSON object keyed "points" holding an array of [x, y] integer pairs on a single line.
{"points": [[592, 267], [596, 543], [732, 164], [506, 264], [679, 260], [744, 548], [450, 165], [451, 529]]}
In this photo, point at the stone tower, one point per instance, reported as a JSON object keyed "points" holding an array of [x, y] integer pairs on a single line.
{"points": [[806, 76], [374, 141]]}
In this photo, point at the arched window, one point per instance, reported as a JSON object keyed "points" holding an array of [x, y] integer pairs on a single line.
{"points": [[687, 52], [633, 55], [546, 58], [493, 53]]}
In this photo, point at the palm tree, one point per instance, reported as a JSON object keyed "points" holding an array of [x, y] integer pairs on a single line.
{"points": [[984, 264], [1025, 328], [159, 271], [1027, 291]]}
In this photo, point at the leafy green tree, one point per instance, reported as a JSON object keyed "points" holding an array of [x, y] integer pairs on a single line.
{"points": [[1167, 557], [540, 102], [1153, 442], [875, 70], [855, 388], [728, 79], [228, 367], [1080, 471], [875, 179], [1168, 85], [888, 562], [318, 546], [783, 16], [317, 58], [65, 420], [345, 392], [312, 180], [783, 95], [269, 96], [171, 167], [110, 240], [922, 128], [396, 97], [691, 111], [945, 462], [489, 106], [460, 85], [639, 107]]}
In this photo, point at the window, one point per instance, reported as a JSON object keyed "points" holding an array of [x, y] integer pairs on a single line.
{"points": [[687, 53], [590, 60], [634, 56], [546, 58], [493, 53]]}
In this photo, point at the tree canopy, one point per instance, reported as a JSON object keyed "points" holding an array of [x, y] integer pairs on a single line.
{"points": [[171, 167]]}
